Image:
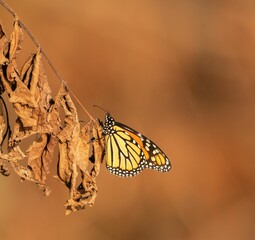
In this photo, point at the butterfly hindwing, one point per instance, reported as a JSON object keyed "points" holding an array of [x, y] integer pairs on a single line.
{"points": [[155, 158]]}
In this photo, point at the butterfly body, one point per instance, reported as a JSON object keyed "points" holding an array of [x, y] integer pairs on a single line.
{"points": [[128, 152]]}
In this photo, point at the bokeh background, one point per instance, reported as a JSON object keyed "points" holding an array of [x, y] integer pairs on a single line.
{"points": [[182, 73]]}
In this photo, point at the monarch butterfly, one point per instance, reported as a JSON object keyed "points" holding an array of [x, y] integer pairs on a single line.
{"points": [[129, 152]]}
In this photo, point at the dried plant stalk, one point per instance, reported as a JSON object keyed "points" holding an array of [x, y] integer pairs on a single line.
{"points": [[80, 149]]}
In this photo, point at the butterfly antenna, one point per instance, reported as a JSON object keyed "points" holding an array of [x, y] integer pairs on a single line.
{"points": [[101, 108]]}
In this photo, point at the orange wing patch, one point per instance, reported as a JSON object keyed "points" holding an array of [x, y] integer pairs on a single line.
{"points": [[140, 143]]}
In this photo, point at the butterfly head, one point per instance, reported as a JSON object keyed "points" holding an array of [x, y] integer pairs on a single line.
{"points": [[108, 124]]}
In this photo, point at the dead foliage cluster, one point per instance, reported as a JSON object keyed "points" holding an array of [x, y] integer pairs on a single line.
{"points": [[80, 149]]}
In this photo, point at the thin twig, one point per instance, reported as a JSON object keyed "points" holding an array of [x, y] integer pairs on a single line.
{"points": [[32, 37]]}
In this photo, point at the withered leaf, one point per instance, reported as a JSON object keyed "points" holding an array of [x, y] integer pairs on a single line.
{"points": [[24, 172], [2, 33], [34, 77], [23, 101], [16, 39], [4, 170], [31, 99], [15, 154], [68, 139], [40, 155], [8, 52], [84, 195], [71, 129], [83, 148], [53, 121], [2, 122], [64, 164], [86, 192], [20, 132], [74, 153], [98, 148], [3, 46]]}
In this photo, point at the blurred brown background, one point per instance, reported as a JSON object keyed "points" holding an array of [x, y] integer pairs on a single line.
{"points": [[180, 72]]}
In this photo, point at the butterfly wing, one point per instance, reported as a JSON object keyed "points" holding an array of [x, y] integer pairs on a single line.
{"points": [[129, 152]]}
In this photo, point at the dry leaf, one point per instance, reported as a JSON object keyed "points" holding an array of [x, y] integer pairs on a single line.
{"points": [[85, 195], [12, 49], [68, 139], [34, 77], [74, 153], [23, 104], [83, 148], [16, 39], [86, 192], [24, 172], [40, 155], [4, 170], [53, 121], [31, 99], [3, 46], [64, 164], [2, 33], [2, 122], [98, 148], [15, 154], [30, 95]]}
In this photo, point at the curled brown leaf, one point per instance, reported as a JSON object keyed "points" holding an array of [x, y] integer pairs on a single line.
{"points": [[16, 39], [4, 170], [3, 46], [2, 123], [98, 148], [40, 155], [14, 155]]}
